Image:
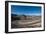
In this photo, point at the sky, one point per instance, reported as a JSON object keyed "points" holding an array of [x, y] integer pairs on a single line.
{"points": [[26, 10]]}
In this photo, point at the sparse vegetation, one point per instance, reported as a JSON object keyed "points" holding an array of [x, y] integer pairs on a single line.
{"points": [[24, 21]]}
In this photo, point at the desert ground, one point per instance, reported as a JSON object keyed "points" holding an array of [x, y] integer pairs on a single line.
{"points": [[28, 22]]}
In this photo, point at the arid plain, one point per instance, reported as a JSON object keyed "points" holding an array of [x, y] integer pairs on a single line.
{"points": [[26, 22]]}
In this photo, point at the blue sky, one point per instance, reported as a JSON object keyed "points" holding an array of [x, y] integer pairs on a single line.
{"points": [[27, 10]]}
